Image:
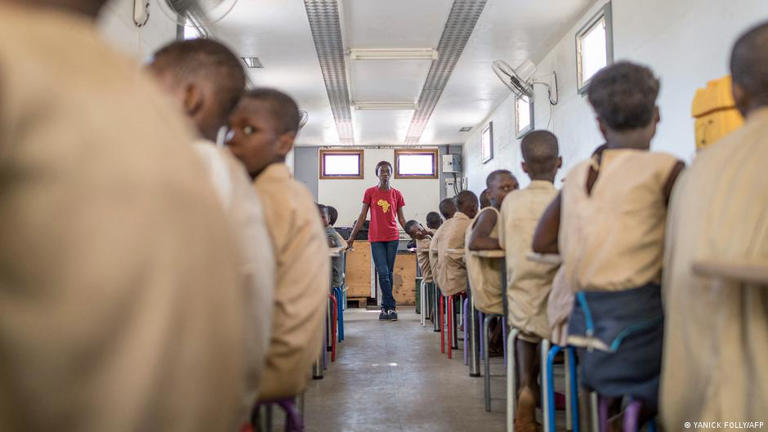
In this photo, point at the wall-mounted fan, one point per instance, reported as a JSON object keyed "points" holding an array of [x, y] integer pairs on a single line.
{"points": [[520, 80], [198, 13]]}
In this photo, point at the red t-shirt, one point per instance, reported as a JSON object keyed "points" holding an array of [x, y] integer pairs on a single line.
{"points": [[384, 205]]}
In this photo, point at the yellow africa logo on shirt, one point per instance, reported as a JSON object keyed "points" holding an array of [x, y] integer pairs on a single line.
{"points": [[384, 205]]}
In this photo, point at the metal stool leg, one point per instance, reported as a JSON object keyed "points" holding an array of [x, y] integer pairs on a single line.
{"points": [[593, 402], [487, 363], [504, 336], [632, 416], [466, 331], [474, 343], [442, 325], [481, 319], [438, 314], [455, 322], [545, 384], [511, 381], [550, 389], [572, 391], [602, 413]]}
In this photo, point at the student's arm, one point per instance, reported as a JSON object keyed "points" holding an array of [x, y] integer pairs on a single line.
{"points": [[671, 180], [480, 238], [546, 237], [358, 225]]}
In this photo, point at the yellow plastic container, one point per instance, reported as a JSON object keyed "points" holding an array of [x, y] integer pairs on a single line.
{"points": [[715, 112]]}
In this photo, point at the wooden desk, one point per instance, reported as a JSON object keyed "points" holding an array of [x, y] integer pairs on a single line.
{"points": [[359, 268]]}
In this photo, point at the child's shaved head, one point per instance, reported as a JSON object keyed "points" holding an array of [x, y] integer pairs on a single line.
{"points": [[541, 154], [447, 208], [749, 68], [466, 202], [434, 220], [624, 95], [284, 110], [201, 68], [485, 201]]}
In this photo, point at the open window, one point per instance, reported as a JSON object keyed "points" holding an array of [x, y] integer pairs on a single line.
{"points": [[341, 164], [420, 164], [594, 47], [486, 143], [523, 116]]}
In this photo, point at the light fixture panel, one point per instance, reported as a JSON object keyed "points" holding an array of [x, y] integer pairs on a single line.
{"points": [[392, 54]]}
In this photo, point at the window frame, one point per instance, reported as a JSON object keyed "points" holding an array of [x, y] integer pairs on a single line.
{"points": [[603, 13], [519, 133], [432, 152], [483, 157], [360, 153]]}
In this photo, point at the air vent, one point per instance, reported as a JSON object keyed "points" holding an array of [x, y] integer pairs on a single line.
{"points": [[252, 62], [458, 28], [465, 129]]}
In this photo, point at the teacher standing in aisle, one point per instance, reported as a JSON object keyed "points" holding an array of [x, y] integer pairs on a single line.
{"points": [[384, 201]]}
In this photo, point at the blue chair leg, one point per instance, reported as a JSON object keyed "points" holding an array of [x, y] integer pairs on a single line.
{"points": [[551, 385], [571, 353], [340, 314], [652, 425]]}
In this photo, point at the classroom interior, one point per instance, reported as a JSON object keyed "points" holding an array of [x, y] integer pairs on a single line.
{"points": [[445, 91]]}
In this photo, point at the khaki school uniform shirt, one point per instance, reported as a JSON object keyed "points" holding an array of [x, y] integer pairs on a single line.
{"points": [[422, 257], [716, 332], [257, 264], [303, 273], [434, 259], [484, 273], [528, 282], [451, 269], [120, 300], [613, 238]]}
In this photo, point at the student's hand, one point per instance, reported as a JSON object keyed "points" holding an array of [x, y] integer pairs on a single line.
{"points": [[350, 242]]}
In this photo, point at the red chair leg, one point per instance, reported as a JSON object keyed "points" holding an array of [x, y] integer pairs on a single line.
{"points": [[442, 325], [449, 312]]}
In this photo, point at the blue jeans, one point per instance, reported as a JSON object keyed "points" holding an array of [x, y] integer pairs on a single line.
{"points": [[384, 260]]}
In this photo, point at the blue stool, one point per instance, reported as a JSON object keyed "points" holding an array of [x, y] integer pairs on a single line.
{"points": [[571, 390]]}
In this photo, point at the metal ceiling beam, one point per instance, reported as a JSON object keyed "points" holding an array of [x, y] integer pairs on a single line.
{"points": [[458, 28], [325, 24]]}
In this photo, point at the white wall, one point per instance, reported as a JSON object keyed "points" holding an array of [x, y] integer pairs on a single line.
{"points": [[421, 196], [116, 23], [685, 42]]}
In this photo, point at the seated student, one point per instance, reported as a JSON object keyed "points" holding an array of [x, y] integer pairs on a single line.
{"points": [[485, 200], [447, 208], [482, 234], [207, 80], [112, 240], [716, 331], [423, 239], [528, 282], [333, 216], [434, 221], [264, 126], [334, 241], [611, 237], [451, 273]]}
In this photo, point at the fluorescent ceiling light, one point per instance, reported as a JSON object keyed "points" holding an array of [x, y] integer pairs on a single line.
{"points": [[393, 54], [384, 105], [252, 62]]}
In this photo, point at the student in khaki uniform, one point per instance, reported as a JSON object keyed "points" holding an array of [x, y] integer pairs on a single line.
{"points": [[716, 331], [447, 209], [482, 234], [207, 80], [263, 128], [528, 282], [451, 270], [121, 305], [333, 216], [423, 238], [611, 235]]}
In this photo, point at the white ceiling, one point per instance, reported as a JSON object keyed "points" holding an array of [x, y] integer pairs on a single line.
{"points": [[277, 31]]}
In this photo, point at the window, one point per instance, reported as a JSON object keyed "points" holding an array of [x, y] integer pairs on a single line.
{"points": [[341, 164], [486, 143], [416, 164], [594, 47], [523, 116]]}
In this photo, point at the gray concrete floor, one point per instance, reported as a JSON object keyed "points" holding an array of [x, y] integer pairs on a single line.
{"points": [[391, 376]]}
